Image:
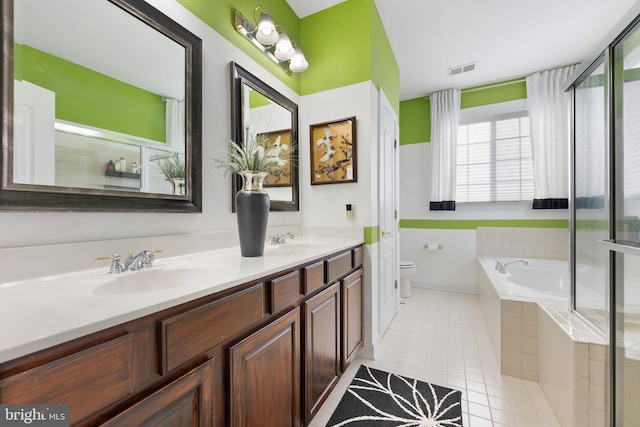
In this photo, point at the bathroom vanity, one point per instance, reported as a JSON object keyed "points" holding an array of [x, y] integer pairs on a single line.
{"points": [[264, 344]]}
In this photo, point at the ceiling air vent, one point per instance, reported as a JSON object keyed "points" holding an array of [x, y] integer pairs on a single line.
{"points": [[462, 69]]}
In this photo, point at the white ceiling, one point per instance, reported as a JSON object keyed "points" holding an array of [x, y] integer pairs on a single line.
{"points": [[507, 38]]}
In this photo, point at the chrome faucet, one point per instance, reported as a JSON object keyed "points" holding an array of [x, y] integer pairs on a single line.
{"points": [[279, 239], [143, 260], [500, 266], [133, 263]]}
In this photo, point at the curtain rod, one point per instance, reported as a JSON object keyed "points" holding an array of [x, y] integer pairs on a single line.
{"points": [[488, 86]]}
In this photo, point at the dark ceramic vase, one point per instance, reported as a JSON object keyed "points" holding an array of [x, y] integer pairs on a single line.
{"points": [[252, 212]]}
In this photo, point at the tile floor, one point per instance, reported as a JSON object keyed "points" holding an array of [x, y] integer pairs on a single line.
{"points": [[441, 337]]}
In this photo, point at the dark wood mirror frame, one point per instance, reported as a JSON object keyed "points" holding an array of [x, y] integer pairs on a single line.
{"points": [[41, 198], [240, 76]]}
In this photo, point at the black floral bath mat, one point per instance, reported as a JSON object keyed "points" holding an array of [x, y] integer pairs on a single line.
{"points": [[378, 398]]}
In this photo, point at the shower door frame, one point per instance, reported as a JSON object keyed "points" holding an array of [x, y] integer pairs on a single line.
{"points": [[614, 131]]}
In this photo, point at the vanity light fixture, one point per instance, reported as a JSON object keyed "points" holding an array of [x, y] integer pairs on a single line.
{"points": [[272, 40], [298, 62], [266, 33], [284, 48]]}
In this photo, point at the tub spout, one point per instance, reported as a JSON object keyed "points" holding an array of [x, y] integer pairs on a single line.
{"points": [[500, 266]]}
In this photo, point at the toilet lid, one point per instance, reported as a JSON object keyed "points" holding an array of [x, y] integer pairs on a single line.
{"points": [[407, 264]]}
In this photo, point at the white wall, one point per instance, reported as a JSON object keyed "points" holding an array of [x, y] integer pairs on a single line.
{"points": [[452, 268], [19, 229], [323, 206]]}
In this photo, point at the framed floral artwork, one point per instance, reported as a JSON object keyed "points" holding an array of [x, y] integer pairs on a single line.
{"points": [[333, 152], [280, 138]]}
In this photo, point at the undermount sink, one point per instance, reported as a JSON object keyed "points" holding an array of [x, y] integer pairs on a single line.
{"points": [[152, 279]]}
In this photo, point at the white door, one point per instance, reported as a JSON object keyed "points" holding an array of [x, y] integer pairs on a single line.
{"points": [[34, 137], [389, 264]]}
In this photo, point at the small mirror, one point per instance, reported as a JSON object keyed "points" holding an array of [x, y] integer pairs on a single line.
{"points": [[258, 109], [102, 107]]}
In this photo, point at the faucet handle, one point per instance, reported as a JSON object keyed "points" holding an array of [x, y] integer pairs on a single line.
{"points": [[148, 257], [116, 263]]}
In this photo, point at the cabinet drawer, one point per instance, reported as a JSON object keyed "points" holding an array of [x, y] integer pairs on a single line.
{"points": [[285, 291], [189, 335], [313, 277], [338, 266], [357, 257], [87, 381]]}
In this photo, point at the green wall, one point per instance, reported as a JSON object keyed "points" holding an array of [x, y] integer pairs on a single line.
{"points": [[385, 72], [472, 224], [256, 99], [337, 42], [345, 44], [91, 98], [415, 121], [415, 114]]}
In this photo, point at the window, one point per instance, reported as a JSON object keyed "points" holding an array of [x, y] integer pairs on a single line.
{"points": [[494, 159]]}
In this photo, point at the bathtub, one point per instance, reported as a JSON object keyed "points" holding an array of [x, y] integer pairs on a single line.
{"points": [[540, 278], [536, 337]]}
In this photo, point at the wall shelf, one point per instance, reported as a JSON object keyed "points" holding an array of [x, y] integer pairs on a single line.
{"points": [[122, 174]]}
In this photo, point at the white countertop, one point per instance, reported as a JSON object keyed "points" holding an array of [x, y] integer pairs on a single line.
{"points": [[42, 312]]}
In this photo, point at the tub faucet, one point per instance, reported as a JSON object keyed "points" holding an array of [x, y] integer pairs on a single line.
{"points": [[279, 239], [500, 266]]}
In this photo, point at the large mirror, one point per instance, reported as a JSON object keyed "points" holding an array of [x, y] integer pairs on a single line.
{"points": [[101, 108], [257, 108]]}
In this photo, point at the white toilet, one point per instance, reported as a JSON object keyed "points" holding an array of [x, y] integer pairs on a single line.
{"points": [[407, 270]]}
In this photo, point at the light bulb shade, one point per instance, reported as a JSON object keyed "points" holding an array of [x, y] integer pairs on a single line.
{"points": [[266, 33], [298, 62], [284, 49]]}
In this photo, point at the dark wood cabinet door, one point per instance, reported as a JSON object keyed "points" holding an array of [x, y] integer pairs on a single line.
{"points": [[322, 347], [265, 375], [351, 317], [188, 401]]}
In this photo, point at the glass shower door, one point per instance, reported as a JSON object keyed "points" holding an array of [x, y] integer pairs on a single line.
{"points": [[626, 245], [591, 210]]}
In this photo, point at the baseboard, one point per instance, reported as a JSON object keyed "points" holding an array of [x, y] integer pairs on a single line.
{"points": [[370, 350]]}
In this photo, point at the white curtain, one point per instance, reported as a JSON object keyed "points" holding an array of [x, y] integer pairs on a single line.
{"points": [[445, 115], [175, 123], [549, 114]]}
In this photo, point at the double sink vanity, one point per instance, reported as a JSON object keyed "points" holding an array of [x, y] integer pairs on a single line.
{"points": [[209, 338], [203, 337]]}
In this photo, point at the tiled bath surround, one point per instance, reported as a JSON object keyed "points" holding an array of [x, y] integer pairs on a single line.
{"points": [[540, 340], [572, 371], [547, 243], [519, 339]]}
